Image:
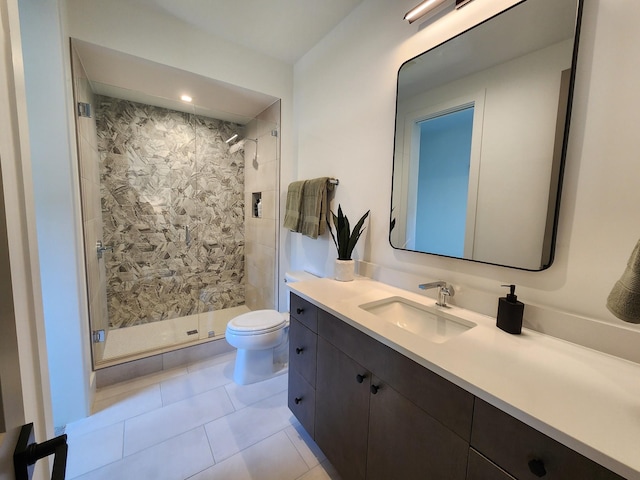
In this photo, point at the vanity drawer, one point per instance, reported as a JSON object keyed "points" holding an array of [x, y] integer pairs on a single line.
{"points": [[527, 453], [302, 351], [303, 311], [446, 402], [302, 401]]}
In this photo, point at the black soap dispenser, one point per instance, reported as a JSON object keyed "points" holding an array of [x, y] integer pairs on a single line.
{"points": [[510, 312]]}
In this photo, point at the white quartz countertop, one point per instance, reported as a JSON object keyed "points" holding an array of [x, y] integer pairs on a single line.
{"points": [[587, 400]]}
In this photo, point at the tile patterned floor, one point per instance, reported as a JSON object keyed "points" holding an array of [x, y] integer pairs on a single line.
{"points": [[194, 423]]}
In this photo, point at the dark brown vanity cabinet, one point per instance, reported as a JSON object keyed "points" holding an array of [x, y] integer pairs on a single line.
{"points": [[366, 421], [406, 442], [302, 361], [366, 417], [379, 415], [481, 468], [342, 410], [527, 453]]}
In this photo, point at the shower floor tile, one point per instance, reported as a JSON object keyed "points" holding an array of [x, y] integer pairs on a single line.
{"points": [[194, 423]]}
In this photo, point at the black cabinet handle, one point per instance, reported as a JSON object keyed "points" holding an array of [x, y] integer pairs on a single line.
{"points": [[374, 389], [360, 378], [537, 467], [299, 310], [299, 350], [297, 400]]}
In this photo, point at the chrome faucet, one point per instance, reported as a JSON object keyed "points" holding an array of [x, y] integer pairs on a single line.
{"points": [[444, 291]]}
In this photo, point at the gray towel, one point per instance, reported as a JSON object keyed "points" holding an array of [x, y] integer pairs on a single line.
{"points": [[314, 207], [293, 212], [624, 299]]}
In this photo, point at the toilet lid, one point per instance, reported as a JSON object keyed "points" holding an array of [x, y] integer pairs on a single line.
{"points": [[258, 320]]}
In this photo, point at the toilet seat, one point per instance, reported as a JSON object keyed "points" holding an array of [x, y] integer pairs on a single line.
{"points": [[256, 322]]}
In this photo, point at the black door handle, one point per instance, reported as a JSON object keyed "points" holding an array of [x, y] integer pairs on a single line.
{"points": [[360, 378], [27, 452], [299, 350], [374, 389], [299, 310]]}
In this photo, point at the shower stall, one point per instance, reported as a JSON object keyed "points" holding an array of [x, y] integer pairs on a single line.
{"points": [[174, 244]]}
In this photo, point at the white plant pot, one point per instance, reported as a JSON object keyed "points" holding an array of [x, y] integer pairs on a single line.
{"points": [[344, 270]]}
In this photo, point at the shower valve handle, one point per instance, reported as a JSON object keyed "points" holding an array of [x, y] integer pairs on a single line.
{"points": [[100, 248]]}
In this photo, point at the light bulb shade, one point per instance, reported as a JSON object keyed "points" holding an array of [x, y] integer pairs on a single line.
{"points": [[624, 299]]}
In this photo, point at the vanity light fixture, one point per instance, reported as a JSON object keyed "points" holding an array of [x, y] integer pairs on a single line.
{"points": [[422, 9], [462, 3], [230, 139], [186, 98], [428, 6]]}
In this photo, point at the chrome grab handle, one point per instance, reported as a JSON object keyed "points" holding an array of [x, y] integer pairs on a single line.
{"points": [[100, 249]]}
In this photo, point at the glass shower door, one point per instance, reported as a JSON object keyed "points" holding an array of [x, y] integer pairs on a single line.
{"points": [[148, 187], [94, 246]]}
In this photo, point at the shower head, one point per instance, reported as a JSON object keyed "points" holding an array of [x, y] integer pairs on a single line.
{"points": [[240, 144]]}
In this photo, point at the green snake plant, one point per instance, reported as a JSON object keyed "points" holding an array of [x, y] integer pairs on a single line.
{"points": [[345, 239]]}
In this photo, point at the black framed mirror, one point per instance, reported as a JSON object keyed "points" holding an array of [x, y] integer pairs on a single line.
{"points": [[482, 122]]}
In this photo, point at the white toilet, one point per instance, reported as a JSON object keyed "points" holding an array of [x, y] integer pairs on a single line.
{"points": [[262, 338]]}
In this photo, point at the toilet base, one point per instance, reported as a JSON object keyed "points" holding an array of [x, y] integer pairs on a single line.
{"points": [[256, 365]]}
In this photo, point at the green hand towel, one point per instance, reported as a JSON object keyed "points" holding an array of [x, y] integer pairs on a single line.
{"points": [[293, 212], [314, 207], [624, 299]]}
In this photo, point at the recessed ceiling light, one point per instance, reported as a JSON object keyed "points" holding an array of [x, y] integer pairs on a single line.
{"points": [[186, 98]]}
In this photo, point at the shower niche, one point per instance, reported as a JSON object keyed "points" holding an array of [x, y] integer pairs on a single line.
{"points": [[174, 206], [256, 204]]}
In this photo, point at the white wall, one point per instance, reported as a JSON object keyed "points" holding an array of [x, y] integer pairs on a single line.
{"points": [[344, 117], [260, 235], [23, 365], [57, 208]]}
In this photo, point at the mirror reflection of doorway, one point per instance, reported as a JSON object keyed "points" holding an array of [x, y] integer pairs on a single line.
{"points": [[443, 182]]}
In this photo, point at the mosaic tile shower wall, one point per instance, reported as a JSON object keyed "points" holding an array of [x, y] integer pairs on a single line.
{"points": [[163, 173]]}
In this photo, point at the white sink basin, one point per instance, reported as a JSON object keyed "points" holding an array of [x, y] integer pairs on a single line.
{"points": [[418, 319]]}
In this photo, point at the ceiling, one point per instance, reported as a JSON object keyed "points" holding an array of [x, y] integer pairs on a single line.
{"points": [[119, 75], [283, 29]]}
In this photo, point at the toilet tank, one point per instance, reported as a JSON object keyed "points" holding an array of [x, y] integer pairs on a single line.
{"points": [[297, 276]]}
